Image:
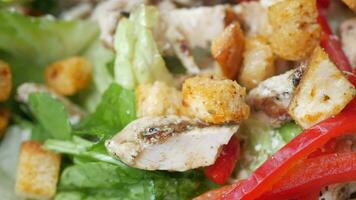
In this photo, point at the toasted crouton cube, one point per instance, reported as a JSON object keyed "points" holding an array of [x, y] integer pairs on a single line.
{"points": [[295, 32], [323, 91], [227, 50], [158, 99], [4, 120], [37, 172], [214, 100], [258, 62], [351, 4], [68, 76], [5, 81]]}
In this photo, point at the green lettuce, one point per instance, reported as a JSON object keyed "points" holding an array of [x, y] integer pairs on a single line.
{"points": [[262, 141], [289, 130], [29, 44], [138, 60], [52, 117], [116, 109]]}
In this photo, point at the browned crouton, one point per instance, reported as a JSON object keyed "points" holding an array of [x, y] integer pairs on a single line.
{"points": [[214, 100], [258, 62], [4, 120], [5, 81], [68, 76], [37, 172], [158, 99], [227, 49], [351, 4], [295, 31]]}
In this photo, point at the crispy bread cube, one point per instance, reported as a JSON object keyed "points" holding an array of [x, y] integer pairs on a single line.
{"points": [[68, 76], [158, 99], [37, 172], [227, 50], [258, 62], [4, 120], [351, 4], [323, 91], [295, 30], [214, 100], [5, 81]]}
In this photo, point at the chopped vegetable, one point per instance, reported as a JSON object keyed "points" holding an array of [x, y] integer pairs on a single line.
{"points": [[116, 109], [312, 174], [263, 179], [289, 131], [138, 60], [45, 107], [222, 169]]}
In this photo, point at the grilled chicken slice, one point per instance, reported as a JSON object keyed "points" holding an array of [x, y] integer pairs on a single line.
{"points": [[348, 39], [169, 143], [273, 96], [24, 91]]}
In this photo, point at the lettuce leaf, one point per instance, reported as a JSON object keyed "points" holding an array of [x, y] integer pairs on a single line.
{"points": [[116, 109], [138, 60], [29, 44], [51, 116], [262, 141]]}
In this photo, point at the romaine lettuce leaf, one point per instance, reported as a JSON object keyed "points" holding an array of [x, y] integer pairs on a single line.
{"points": [[51, 116], [261, 142], [289, 130], [116, 109], [138, 60], [29, 44]]}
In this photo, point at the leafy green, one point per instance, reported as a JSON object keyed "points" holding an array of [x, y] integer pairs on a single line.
{"points": [[114, 112], [29, 44], [156, 185], [289, 130], [51, 116], [101, 60], [261, 142], [137, 57]]}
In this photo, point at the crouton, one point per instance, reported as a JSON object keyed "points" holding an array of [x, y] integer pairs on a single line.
{"points": [[68, 76], [351, 4], [323, 91], [214, 100], [258, 62], [37, 172], [4, 120], [295, 32], [5, 81], [227, 49], [157, 99]]}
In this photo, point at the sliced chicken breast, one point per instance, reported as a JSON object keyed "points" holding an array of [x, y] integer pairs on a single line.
{"points": [[169, 143]]}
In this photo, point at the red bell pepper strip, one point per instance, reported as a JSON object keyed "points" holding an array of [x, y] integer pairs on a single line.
{"points": [[263, 179], [323, 4], [332, 44], [312, 174], [221, 170]]}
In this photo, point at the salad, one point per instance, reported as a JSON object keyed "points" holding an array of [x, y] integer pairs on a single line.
{"points": [[177, 99]]}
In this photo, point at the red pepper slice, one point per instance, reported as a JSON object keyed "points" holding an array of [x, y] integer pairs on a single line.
{"points": [[332, 46], [221, 170], [300, 147], [323, 4], [313, 174]]}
